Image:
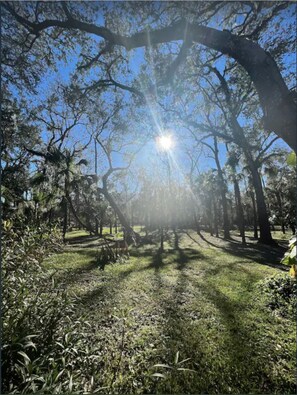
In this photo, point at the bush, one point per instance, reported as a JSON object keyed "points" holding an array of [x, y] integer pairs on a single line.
{"points": [[43, 348], [290, 257], [280, 293]]}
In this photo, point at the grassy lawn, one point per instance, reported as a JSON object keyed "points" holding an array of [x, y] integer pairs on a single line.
{"points": [[195, 306]]}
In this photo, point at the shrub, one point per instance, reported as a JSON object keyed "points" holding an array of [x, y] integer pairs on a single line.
{"points": [[280, 293], [43, 347], [290, 257]]}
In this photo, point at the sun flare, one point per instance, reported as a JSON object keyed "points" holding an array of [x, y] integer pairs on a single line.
{"points": [[165, 142]]}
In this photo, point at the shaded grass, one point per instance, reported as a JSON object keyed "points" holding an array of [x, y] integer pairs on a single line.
{"points": [[196, 299]]}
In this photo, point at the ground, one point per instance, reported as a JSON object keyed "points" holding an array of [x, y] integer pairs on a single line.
{"points": [[194, 310]]}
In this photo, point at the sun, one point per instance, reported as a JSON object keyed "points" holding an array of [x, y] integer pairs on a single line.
{"points": [[165, 142]]}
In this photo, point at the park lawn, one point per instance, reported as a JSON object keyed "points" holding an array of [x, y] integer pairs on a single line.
{"points": [[195, 306]]}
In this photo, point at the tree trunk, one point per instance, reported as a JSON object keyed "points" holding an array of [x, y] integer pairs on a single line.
{"points": [[215, 212], [210, 216], [223, 191], [96, 173], [240, 212], [280, 205], [76, 215], [265, 233], [96, 226], [65, 217], [197, 225], [161, 239], [240, 140], [255, 216], [131, 235], [101, 228]]}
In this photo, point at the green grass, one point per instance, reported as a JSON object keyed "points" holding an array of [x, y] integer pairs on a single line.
{"points": [[198, 300]]}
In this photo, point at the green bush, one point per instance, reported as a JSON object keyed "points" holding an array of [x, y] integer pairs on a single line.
{"points": [[43, 347], [280, 293]]}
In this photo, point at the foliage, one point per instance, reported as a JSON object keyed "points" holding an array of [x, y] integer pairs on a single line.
{"points": [[281, 293], [197, 300], [291, 159], [290, 257], [44, 348], [172, 369]]}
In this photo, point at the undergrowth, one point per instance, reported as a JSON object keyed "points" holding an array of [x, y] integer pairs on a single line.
{"points": [[280, 294], [43, 347]]}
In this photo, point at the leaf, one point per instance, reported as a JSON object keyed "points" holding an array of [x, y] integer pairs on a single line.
{"points": [[162, 365], [293, 241], [70, 384], [30, 344], [59, 375], [176, 357], [184, 360], [293, 252], [291, 159], [293, 272], [23, 354], [159, 375], [186, 369]]}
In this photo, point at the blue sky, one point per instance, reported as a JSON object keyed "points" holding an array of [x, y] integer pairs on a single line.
{"points": [[136, 59]]}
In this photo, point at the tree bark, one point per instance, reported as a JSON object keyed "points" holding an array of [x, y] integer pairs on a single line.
{"points": [[241, 141], [280, 205], [223, 191], [131, 235], [254, 216], [215, 218], [65, 217], [161, 239], [240, 212], [264, 225]]}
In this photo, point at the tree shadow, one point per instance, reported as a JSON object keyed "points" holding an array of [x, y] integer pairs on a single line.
{"points": [[157, 261], [260, 253], [74, 275], [242, 342], [81, 239]]}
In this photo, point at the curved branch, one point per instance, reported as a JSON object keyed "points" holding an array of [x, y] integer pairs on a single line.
{"points": [[277, 104]]}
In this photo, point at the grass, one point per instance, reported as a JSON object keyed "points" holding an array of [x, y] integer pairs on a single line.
{"points": [[197, 302]]}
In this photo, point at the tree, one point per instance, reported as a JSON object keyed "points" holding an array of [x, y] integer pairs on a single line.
{"points": [[279, 107], [16, 132], [232, 162]]}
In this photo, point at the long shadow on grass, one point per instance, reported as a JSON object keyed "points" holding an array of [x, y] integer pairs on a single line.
{"points": [[73, 275], [260, 253], [81, 239], [243, 342], [240, 342], [176, 328]]}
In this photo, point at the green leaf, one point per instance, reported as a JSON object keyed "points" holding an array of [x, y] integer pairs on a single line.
{"points": [[70, 384], [291, 159], [293, 241], [159, 375], [162, 365], [293, 252], [187, 370], [176, 357], [184, 360], [23, 354], [30, 344], [59, 375]]}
